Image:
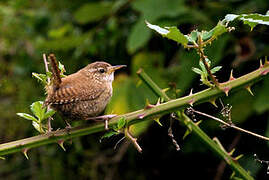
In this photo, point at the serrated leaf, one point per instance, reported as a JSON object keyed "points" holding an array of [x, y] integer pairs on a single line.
{"points": [[109, 134], [170, 32], [215, 69], [196, 70], [41, 77], [49, 113], [250, 19], [121, 123], [27, 116], [38, 110]]}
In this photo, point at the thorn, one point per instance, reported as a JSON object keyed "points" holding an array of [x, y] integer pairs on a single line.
{"points": [[261, 65], [24, 151], [190, 102], [165, 90], [157, 119], [226, 90], [158, 102], [61, 143], [238, 157], [191, 92], [197, 123], [231, 76], [148, 105], [231, 152], [248, 88], [188, 131], [265, 72], [213, 102], [266, 61], [141, 116]]}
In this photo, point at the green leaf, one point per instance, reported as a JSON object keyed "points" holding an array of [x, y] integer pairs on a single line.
{"points": [[155, 9], [60, 32], [109, 134], [215, 69], [41, 77], [92, 11], [38, 127], [170, 32], [218, 30], [62, 69], [193, 36], [250, 19], [49, 113], [121, 123], [197, 70], [37, 110], [27, 116], [138, 37]]}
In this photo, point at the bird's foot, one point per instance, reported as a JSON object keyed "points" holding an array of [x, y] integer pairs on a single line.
{"points": [[104, 118]]}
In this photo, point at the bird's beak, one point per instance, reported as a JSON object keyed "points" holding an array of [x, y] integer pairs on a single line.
{"points": [[114, 68]]}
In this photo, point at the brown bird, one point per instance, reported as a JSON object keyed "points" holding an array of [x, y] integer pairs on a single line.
{"points": [[84, 94]]}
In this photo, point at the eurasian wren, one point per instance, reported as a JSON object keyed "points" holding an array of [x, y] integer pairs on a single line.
{"points": [[83, 94]]}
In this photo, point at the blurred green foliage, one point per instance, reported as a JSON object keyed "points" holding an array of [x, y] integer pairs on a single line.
{"points": [[80, 32]]}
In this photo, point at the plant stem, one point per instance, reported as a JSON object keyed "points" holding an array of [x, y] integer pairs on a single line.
{"points": [[146, 79], [203, 58], [134, 117], [235, 166], [231, 125], [200, 134]]}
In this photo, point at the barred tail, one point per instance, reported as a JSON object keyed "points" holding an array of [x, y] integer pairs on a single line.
{"points": [[56, 78]]}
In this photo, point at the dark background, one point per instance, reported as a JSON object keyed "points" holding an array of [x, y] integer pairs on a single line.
{"points": [[80, 32]]}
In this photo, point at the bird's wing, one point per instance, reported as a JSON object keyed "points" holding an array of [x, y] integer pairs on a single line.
{"points": [[68, 94]]}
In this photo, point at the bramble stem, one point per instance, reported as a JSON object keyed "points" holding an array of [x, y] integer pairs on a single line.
{"points": [[200, 134], [132, 117]]}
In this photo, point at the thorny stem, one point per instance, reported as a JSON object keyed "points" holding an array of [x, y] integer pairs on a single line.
{"points": [[195, 128], [132, 117], [231, 125], [146, 79]]}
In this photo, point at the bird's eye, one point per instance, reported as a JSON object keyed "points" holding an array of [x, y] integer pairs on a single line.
{"points": [[101, 70]]}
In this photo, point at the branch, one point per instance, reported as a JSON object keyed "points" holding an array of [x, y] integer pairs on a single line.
{"points": [[136, 116], [200, 134], [230, 125]]}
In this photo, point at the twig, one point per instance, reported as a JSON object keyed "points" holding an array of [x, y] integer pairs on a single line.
{"points": [[133, 140], [170, 132], [230, 125], [46, 66], [48, 82], [262, 162], [121, 139], [203, 58]]}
